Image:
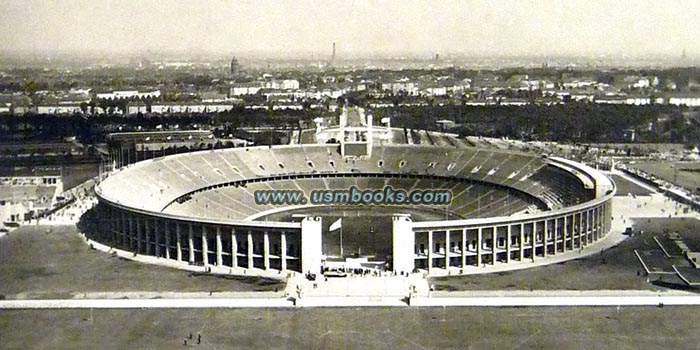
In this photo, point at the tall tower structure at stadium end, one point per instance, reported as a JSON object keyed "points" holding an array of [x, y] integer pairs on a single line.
{"points": [[355, 133]]}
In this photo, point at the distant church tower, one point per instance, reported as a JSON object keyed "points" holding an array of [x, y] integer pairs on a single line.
{"points": [[234, 67]]}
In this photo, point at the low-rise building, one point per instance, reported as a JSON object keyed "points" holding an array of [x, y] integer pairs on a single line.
{"points": [[26, 192]]}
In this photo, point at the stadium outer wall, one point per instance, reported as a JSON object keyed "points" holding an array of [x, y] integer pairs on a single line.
{"points": [[278, 248]]}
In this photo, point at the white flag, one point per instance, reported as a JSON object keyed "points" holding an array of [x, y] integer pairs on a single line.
{"points": [[336, 225], [386, 120]]}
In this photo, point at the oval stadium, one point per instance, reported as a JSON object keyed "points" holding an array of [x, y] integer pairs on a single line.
{"points": [[214, 208]]}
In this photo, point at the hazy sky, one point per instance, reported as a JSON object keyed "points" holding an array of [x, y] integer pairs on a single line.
{"points": [[470, 27]]}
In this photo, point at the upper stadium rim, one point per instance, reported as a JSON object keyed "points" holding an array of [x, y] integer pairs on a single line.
{"points": [[197, 208]]}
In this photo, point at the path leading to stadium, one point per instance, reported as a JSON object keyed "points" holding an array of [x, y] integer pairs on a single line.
{"points": [[444, 299]]}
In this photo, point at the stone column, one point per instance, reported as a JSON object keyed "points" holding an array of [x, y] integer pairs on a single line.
{"points": [[534, 239], [234, 248], [205, 246], [139, 235], [464, 248], [147, 228], [565, 235], [131, 232], [191, 244], [430, 251], [403, 243], [494, 245], [167, 239], [596, 222], [178, 244], [283, 252], [251, 262], [545, 238], [556, 232], [589, 226], [124, 230], [508, 242], [156, 237], [266, 250], [113, 226], [219, 257], [580, 229], [479, 245], [447, 249], [522, 241]]}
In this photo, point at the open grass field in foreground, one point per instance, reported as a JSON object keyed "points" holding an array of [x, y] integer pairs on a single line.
{"points": [[352, 328], [54, 262]]}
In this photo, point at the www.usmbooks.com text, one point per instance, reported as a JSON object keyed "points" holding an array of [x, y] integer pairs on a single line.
{"points": [[354, 196]]}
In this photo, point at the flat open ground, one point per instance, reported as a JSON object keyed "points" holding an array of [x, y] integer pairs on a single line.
{"points": [[687, 174], [626, 187], [35, 263], [615, 269], [352, 328]]}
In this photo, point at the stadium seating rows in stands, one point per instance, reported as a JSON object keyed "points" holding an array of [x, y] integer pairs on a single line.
{"points": [[163, 180]]}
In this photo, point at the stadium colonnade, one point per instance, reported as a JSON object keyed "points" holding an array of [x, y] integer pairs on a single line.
{"points": [[134, 211]]}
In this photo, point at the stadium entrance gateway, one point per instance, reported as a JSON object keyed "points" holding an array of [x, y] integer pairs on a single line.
{"points": [[379, 242]]}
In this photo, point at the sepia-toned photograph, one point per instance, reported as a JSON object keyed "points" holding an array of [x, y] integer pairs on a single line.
{"points": [[349, 174]]}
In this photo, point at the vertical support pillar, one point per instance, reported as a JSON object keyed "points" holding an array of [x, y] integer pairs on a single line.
{"points": [[156, 238], [191, 244], [219, 257], [125, 227], [565, 235], [608, 220], [403, 243], [522, 242], [509, 242], [311, 244], [266, 250], [251, 262], [234, 248], [178, 244], [205, 247], [601, 220], [139, 235], [479, 245], [494, 245], [556, 235], [147, 228], [113, 226], [534, 239], [283, 251], [447, 249], [580, 229], [167, 239], [463, 248], [131, 232], [545, 238], [596, 216], [589, 226], [430, 251]]}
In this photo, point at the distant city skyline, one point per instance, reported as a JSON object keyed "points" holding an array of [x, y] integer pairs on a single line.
{"points": [[383, 28]]}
